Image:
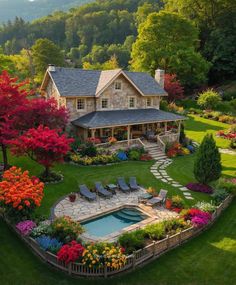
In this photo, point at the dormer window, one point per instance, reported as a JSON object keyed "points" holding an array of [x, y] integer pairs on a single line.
{"points": [[104, 103], [81, 104], [132, 102], [118, 85], [148, 102]]}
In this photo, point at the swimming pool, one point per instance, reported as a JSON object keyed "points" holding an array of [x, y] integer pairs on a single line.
{"points": [[113, 222]]}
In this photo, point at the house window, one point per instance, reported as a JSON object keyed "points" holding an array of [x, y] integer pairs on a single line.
{"points": [[131, 102], [149, 102], [118, 85], [104, 103], [80, 104]]}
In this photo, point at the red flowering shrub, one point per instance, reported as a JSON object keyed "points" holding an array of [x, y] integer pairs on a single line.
{"points": [[174, 150], [70, 252], [198, 187]]}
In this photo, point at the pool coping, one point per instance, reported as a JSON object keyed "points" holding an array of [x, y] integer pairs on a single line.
{"points": [[113, 236]]}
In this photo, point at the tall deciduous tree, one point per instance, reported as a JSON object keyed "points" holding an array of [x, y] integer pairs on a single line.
{"points": [[43, 145], [45, 52], [13, 96], [169, 41], [207, 166]]}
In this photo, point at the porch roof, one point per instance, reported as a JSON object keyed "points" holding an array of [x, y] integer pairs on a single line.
{"points": [[102, 119]]}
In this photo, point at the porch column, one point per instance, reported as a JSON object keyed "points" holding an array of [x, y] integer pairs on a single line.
{"points": [[165, 127], [128, 134], [179, 126], [112, 131], [93, 133]]}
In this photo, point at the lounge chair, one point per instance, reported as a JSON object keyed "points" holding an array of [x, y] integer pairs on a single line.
{"points": [[133, 183], [122, 185], [159, 199], [86, 193], [102, 191]]}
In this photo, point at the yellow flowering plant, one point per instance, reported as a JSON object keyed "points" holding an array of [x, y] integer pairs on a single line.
{"points": [[104, 254]]}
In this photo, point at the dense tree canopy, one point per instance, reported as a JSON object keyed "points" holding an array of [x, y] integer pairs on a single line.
{"points": [[169, 41], [45, 52]]}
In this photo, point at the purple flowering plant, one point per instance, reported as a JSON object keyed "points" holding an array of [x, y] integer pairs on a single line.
{"points": [[25, 227]]}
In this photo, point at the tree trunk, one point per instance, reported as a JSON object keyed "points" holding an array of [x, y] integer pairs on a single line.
{"points": [[47, 171], [4, 155]]}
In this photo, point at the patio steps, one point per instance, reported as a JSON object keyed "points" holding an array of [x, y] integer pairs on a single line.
{"points": [[156, 152]]}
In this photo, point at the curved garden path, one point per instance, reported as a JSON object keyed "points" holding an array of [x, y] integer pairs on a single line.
{"points": [[159, 171]]}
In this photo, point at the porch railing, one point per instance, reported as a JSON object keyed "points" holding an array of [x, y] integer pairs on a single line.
{"points": [[169, 137]]}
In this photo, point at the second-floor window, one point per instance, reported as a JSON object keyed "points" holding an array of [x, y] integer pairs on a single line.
{"points": [[132, 102], [104, 103], [148, 102], [80, 104], [118, 85]]}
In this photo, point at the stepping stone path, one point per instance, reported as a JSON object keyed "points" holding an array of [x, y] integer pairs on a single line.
{"points": [[158, 170]]}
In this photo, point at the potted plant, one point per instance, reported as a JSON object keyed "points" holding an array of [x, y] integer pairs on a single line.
{"points": [[72, 197]]}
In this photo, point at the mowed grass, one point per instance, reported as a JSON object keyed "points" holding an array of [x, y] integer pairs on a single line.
{"points": [[196, 128], [207, 259]]}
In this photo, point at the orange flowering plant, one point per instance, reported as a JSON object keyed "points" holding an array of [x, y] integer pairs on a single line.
{"points": [[20, 193]]}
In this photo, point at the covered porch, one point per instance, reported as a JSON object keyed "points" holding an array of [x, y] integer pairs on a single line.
{"points": [[128, 125]]}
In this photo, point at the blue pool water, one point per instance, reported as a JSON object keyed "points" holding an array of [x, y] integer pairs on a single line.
{"points": [[113, 222]]}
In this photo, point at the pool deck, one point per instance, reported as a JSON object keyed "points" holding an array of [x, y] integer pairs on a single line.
{"points": [[82, 210]]}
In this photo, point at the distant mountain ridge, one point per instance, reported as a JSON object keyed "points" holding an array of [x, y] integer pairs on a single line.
{"points": [[33, 9]]}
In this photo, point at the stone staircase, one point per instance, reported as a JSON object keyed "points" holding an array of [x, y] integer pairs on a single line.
{"points": [[155, 151]]}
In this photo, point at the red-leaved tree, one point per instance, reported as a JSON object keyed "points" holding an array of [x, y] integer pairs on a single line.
{"points": [[43, 145], [40, 111], [173, 87], [13, 95]]}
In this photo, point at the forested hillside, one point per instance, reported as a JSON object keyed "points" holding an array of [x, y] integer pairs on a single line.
{"points": [[32, 9], [194, 40]]}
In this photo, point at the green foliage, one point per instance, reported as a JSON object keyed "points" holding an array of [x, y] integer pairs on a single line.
{"points": [[207, 165], [134, 155], [219, 195], [216, 20], [209, 99], [45, 52], [227, 185], [158, 45], [132, 241], [88, 149], [155, 231]]}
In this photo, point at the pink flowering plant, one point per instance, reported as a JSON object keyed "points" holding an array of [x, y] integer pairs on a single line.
{"points": [[197, 217], [25, 227]]}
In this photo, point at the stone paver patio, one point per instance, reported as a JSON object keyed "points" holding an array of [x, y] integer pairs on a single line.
{"points": [[81, 210]]}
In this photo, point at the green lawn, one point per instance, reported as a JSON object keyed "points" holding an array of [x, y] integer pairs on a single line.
{"points": [[197, 127], [207, 259]]}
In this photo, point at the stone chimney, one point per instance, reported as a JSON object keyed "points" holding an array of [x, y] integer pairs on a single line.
{"points": [[159, 77], [51, 68]]}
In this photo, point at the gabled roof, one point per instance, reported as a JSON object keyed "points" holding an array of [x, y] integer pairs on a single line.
{"points": [[73, 82], [101, 119]]}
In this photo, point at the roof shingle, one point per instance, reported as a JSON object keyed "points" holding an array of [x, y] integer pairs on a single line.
{"points": [[72, 82], [124, 117]]}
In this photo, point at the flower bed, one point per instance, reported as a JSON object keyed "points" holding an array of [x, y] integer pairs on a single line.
{"points": [[176, 149], [93, 155], [198, 187]]}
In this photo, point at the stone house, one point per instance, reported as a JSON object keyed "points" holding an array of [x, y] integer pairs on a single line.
{"points": [[112, 103]]}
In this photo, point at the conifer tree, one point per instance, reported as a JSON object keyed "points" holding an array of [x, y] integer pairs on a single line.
{"points": [[207, 166]]}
